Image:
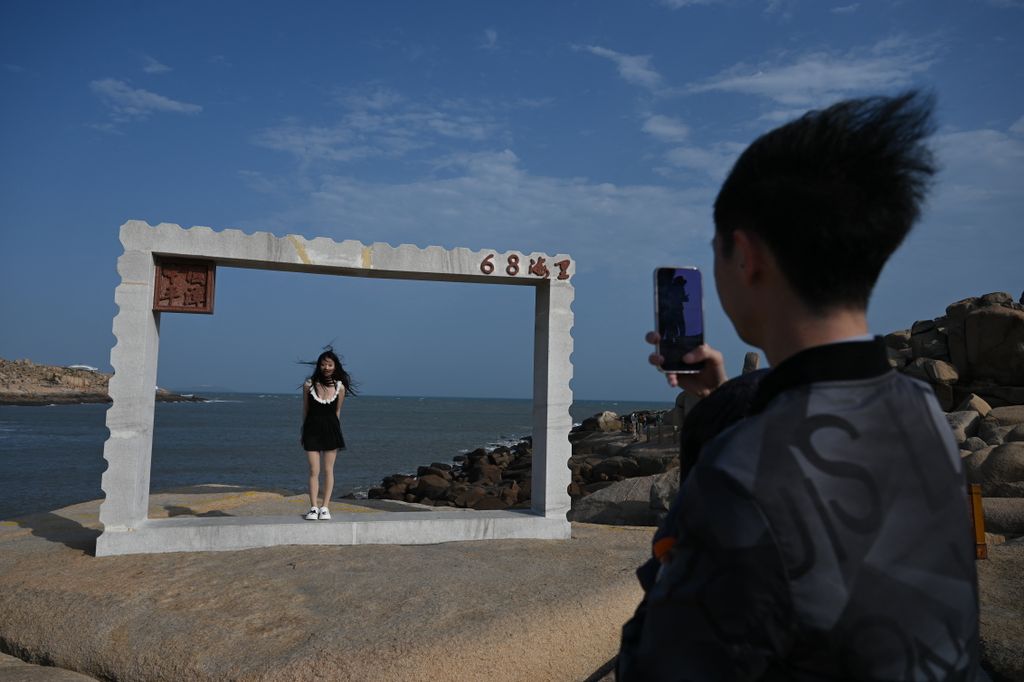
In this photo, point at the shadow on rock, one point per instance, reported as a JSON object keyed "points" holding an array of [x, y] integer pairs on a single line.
{"points": [[56, 528], [173, 510], [208, 488]]}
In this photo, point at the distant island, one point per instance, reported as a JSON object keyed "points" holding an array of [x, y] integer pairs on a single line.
{"points": [[23, 382]]}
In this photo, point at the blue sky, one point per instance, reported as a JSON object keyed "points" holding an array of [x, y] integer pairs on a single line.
{"points": [[598, 129]]}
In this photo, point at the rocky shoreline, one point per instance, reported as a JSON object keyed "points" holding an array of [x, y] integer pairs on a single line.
{"points": [[25, 383], [605, 449], [973, 357]]}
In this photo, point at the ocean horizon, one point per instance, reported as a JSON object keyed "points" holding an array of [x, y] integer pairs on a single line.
{"points": [[52, 456]]}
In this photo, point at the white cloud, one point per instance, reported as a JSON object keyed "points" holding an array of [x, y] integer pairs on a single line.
{"points": [[128, 103], [779, 116], [488, 200], [331, 143], [153, 66], [989, 148], [783, 8], [381, 123], [109, 128], [714, 160], [819, 77], [634, 69], [846, 9], [14, 68], [490, 39], [979, 177], [1018, 126], [666, 128]]}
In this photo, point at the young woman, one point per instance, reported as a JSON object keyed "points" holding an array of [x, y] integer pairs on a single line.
{"points": [[322, 396]]}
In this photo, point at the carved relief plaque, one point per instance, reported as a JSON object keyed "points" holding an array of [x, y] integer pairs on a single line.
{"points": [[184, 286]]}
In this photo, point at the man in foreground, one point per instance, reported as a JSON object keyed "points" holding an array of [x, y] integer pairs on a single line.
{"points": [[825, 535]]}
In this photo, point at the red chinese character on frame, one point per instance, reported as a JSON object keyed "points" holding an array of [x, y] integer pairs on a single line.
{"points": [[184, 286], [538, 267]]}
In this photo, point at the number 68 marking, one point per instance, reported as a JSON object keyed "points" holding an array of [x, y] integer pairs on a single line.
{"points": [[537, 267]]}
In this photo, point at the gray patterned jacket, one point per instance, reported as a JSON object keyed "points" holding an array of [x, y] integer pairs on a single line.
{"points": [[826, 536]]}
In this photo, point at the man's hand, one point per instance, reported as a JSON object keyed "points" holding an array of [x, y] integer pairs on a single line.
{"points": [[702, 383]]}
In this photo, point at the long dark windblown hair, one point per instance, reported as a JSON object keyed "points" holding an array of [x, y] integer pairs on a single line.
{"points": [[339, 372]]}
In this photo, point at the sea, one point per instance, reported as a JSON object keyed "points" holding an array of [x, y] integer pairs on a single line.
{"points": [[52, 456]]}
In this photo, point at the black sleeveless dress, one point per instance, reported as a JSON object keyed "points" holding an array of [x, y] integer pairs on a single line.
{"points": [[322, 430]]}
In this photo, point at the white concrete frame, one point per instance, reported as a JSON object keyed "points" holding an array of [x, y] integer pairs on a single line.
{"points": [[128, 449]]}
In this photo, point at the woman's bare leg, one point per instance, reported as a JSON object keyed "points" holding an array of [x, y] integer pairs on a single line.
{"points": [[314, 476], [329, 456]]}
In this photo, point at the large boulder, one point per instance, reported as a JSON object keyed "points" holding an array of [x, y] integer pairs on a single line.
{"points": [[929, 343], [664, 488], [991, 432], [465, 495], [431, 470], [616, 467], [490, 503], [500, 456], [605, 421], [1004, 515], [994, 344], [1007, 416], [974, 403], [974, 462], [485, 473], [898, 340], [964, 424], [999, 469], [1014, 435], [656, 462], [941, 372], [509, 493], [431, 486], [596, 442], [956, 314], [973, 444], [626, 503]]}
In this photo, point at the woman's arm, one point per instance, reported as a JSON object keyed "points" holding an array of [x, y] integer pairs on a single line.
{"points": [[341, 399]]}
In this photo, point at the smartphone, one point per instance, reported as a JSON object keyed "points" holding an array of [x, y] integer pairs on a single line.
{"points": [[678, 316]]}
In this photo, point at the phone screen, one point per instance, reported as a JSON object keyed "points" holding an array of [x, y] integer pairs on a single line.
{"points": [[678, 316]]}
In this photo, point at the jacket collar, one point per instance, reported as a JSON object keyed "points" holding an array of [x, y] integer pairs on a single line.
{"points": [[845, 361]]}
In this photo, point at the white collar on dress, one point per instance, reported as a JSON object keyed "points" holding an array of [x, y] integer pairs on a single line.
{"points": [[312, 392]]}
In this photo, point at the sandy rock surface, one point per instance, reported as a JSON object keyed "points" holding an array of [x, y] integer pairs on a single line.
{"points": [[496, 610], [1001, 591], [16, 670]]}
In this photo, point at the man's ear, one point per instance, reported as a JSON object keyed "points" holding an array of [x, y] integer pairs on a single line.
{"points": [[748, 255]]}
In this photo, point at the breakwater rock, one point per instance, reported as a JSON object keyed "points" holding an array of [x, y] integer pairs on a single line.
{"points": [[23, 382], [605, 450], [482, 479]]}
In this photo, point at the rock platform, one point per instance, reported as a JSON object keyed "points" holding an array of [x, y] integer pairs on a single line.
{"points": [[494, 610]]}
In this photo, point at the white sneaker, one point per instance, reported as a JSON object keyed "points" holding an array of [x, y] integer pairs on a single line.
{"points": [[313, 514], [325, 513]]}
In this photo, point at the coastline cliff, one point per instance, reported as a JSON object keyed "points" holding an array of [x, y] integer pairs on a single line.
{"points": [[23, 382]]}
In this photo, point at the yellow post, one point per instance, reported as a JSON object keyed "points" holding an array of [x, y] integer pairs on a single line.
{"points": [[977, 521]]}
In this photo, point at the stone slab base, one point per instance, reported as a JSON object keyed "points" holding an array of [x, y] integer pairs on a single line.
{"points": [[208, 534]]}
